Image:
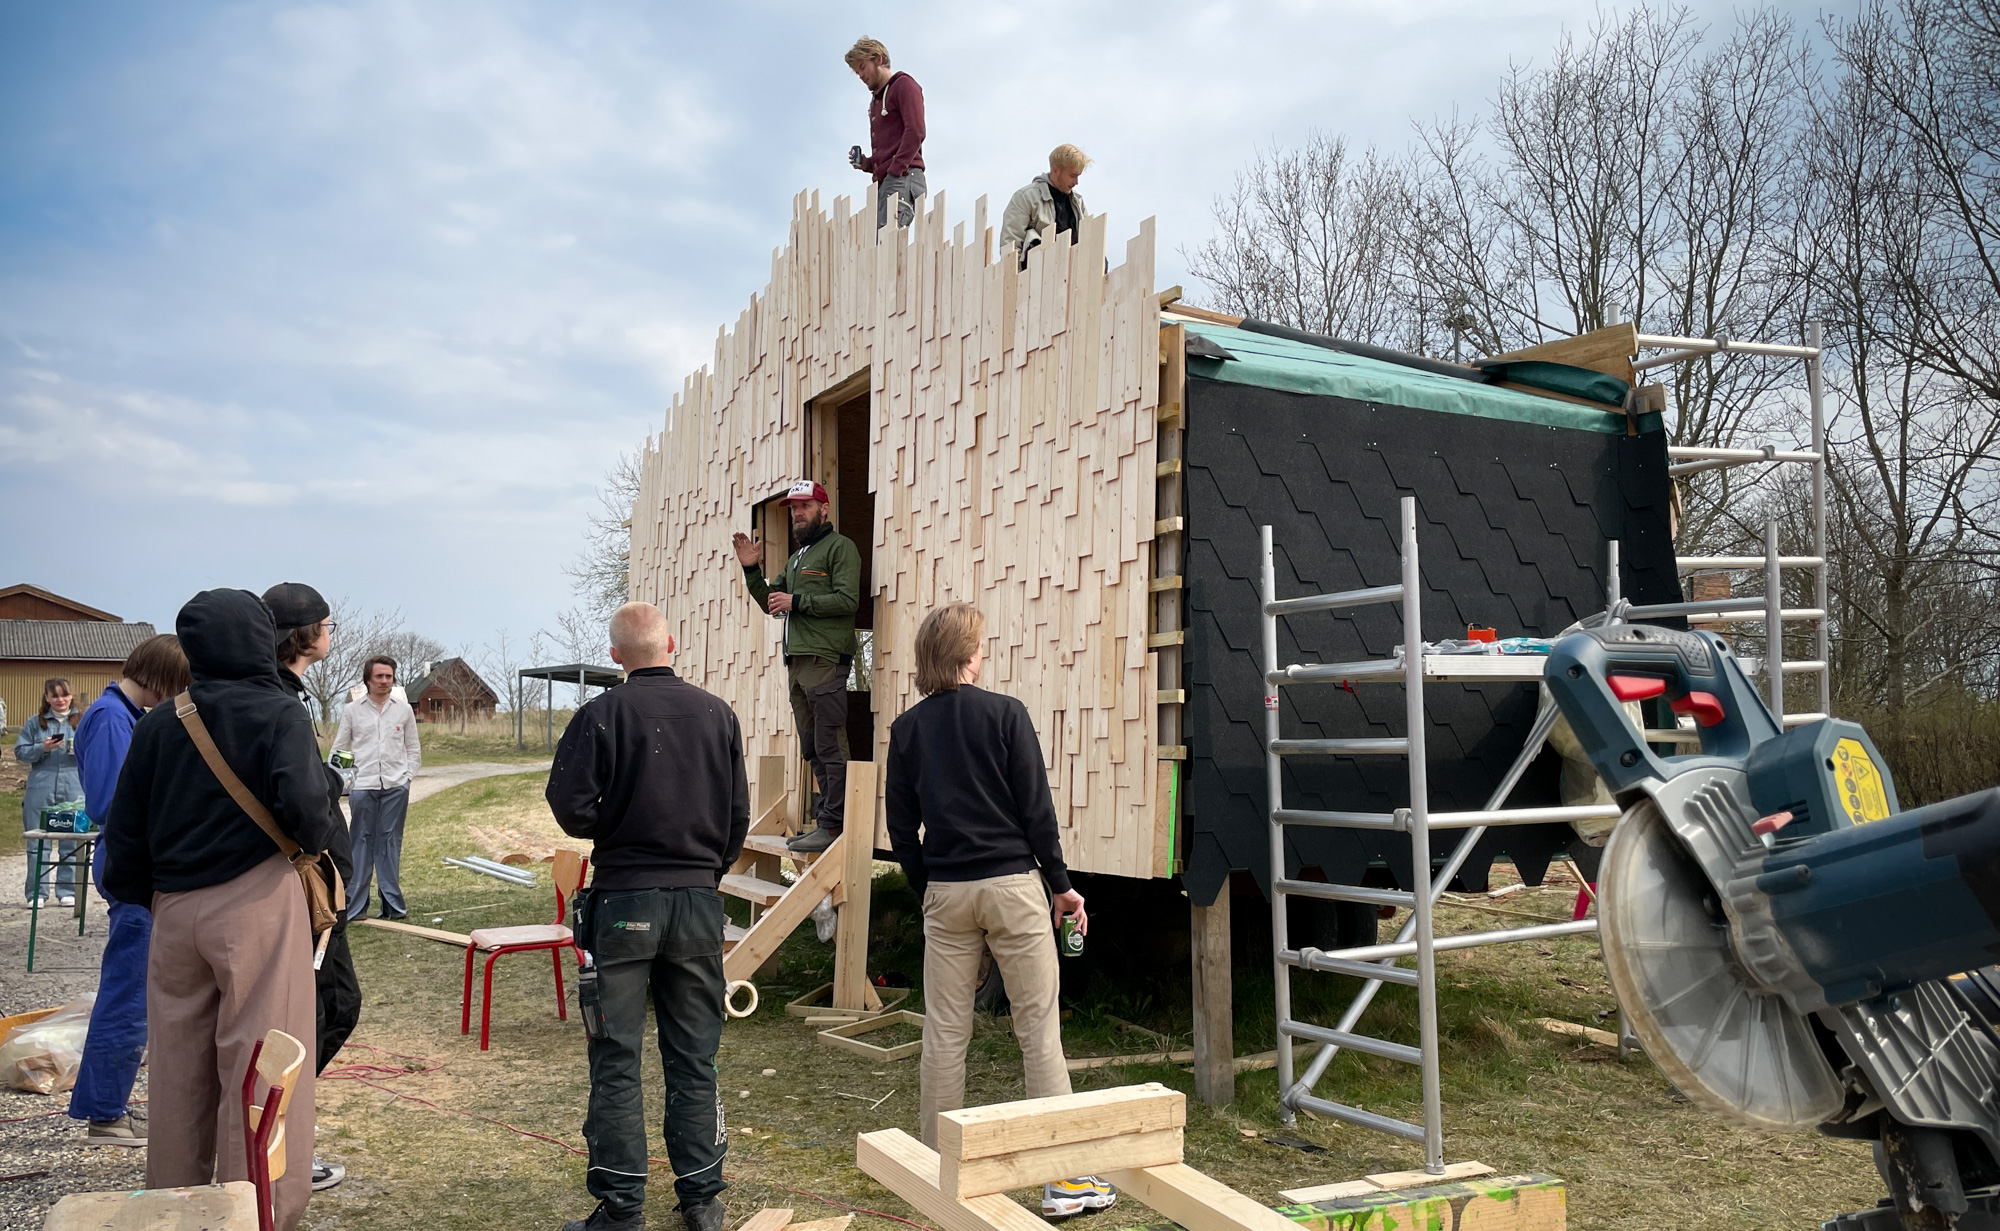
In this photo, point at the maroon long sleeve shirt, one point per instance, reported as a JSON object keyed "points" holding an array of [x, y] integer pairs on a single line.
{"points": [[896, 128]]}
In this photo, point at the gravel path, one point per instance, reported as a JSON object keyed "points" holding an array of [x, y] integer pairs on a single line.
{"points": [[31, 1139]]}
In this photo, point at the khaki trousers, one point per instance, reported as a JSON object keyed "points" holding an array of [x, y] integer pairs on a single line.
{"points": [[1010, 916], [228, 963]]}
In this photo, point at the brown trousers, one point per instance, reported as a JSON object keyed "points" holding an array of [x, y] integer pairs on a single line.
{"points": [[1010, 916], [227, 964]]}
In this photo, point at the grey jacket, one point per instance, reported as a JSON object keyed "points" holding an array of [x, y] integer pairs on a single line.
{"points": [[1031, 211]]}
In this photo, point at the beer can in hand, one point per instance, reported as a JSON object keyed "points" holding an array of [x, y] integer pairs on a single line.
{"points": [[1070, 941]]}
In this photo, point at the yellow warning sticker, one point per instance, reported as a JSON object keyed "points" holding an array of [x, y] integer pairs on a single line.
{"points": [[1860, 783]]}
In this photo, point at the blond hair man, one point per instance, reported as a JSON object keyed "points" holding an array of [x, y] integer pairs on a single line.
{"points": [[973, 825], [895, 131], [1049, 200]]}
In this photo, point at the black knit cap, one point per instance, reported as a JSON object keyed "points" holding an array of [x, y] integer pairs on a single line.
{"points": [[294, 604]]}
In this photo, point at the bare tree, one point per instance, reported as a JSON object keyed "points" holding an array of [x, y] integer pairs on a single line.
{"points": [[602, 569], [502, 659], [579, 635], [1308, 239], [357, 635]]}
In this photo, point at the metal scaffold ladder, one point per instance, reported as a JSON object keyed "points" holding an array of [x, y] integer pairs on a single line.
{"points": [[1379, 964]]}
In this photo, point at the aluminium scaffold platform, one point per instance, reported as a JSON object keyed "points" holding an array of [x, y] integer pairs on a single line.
{"points": [[1413, 668]]}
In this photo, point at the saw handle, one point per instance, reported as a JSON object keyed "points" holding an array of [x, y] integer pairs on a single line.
{"points": [[1592, 674]]}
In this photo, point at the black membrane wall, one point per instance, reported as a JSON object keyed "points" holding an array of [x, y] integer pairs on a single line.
{"points": [[1512, 525]]}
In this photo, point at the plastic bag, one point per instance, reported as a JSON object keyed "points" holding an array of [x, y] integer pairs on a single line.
{"points": [[43, 1058]]}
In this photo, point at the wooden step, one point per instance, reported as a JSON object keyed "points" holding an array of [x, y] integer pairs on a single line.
{"points": [[772, 844], [761, 892], [731, 934]]}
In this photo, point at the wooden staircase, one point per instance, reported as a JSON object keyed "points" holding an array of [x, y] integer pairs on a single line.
{"points": [[842, 871]]}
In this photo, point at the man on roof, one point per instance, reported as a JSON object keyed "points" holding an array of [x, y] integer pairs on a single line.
{"points": [[816, 594], [895, 131], [1049, 200]]}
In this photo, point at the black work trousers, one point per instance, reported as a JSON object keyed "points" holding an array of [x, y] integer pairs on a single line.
{"points": [[819, 706], [668, 940], [337, 996]]}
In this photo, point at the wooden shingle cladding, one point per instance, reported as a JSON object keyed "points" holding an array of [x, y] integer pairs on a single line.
{"points": [[1012, 456]]}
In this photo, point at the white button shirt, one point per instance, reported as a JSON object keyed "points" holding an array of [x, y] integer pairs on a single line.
{"points": [[383, 741]]}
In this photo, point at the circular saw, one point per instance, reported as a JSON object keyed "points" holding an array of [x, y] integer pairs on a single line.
{"points": [[1792, 949]]}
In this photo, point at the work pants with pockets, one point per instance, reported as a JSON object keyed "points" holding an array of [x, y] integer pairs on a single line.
{"points": [[336, 998], [377, 835], [668, 940], [1010, 916], [906, 189], [228, 963], [819, 706], [117, 1039]]}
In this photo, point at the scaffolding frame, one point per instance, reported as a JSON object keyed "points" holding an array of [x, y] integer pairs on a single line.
{"points": [[1413, 668]]}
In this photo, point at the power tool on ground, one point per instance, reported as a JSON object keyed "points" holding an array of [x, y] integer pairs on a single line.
{"points": [[1792, 948]]}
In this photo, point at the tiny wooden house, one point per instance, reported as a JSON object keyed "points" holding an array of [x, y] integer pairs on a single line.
{"points": [[1090, 469]]}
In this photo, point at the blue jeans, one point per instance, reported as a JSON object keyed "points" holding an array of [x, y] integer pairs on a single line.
{"points": [[668, 942], [377, 834], [117, 1039]]}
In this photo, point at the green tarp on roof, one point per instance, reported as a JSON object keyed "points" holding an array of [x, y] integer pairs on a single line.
{"points": [[1280, 363]]}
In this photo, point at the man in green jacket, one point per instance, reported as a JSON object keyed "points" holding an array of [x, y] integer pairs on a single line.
{"points": [[816, 594]]}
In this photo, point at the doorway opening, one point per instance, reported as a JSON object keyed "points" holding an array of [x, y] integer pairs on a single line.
{"points": [[837, 430]]}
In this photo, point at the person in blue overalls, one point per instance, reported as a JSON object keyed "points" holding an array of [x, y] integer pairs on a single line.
{"points": [[48, 744], [154, 673]]}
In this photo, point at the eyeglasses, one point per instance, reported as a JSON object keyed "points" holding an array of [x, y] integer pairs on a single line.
{"points": [[331, 625]]}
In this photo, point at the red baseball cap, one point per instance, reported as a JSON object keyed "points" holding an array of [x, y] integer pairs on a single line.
{"points": [[806, 489]]}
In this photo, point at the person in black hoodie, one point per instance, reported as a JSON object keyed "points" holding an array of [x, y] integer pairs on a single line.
{"points": [[232, 948], [305, 636], [652, 773], [972, 822]]}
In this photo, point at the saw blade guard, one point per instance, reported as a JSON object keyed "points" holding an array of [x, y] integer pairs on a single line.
{"points": [[1733, 1048], [1593, 673]]}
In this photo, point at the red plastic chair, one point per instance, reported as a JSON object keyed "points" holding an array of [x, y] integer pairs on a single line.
{"points": [[569, 869]]}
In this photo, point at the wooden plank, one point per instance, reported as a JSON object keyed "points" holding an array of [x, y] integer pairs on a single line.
{"points": [[1330, 1192], [761, 892], [1197, 1202], [1173, 752], [1171, 466], [908, 1168], [1214, 1007], [766, 1219], [1608, 350], [1168, 296], [1177, 637], [823, 1224], [1170, 696], [1065, 1119], [228, 1205], [1169, 525], [410, 929], [784, 915], [1158, 584], [844, 1036], [850, 960], [1415, 1179], [975, 1177], [1192, 313], [1589, 1034]]}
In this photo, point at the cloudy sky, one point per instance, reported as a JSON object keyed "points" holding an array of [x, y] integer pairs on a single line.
{"points": [[372, 294]]}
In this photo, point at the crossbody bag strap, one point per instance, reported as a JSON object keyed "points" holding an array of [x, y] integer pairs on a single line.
{"points": [[204, 743]]}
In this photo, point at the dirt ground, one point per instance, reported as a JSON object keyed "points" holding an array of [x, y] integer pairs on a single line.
{"points": [[437, 1134]]}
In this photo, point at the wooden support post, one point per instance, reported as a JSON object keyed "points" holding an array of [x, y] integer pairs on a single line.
{"points": [[1214, 1002], [850, 961], [770, 792]]}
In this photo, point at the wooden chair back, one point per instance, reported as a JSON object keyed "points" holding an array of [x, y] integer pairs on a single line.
{"points": [[277, 1060], [568, 869]]}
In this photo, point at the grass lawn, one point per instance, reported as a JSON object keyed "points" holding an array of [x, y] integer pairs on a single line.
{"points": [[10, 815], [1635, 1156]]}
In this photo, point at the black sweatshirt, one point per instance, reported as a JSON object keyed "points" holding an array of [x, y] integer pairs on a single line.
{"points": [[173, 827], [652, 773], [966, 766]]}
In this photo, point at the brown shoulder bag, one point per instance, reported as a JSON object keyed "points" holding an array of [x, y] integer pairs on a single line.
{"points": [[326, 897]]}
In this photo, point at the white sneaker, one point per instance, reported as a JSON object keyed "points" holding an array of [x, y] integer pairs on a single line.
{"points": [[1080, 1195], [65, 899]]}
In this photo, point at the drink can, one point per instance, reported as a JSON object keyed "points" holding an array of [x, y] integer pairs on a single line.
{"points": [[341, 759], [1071, 940]]}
